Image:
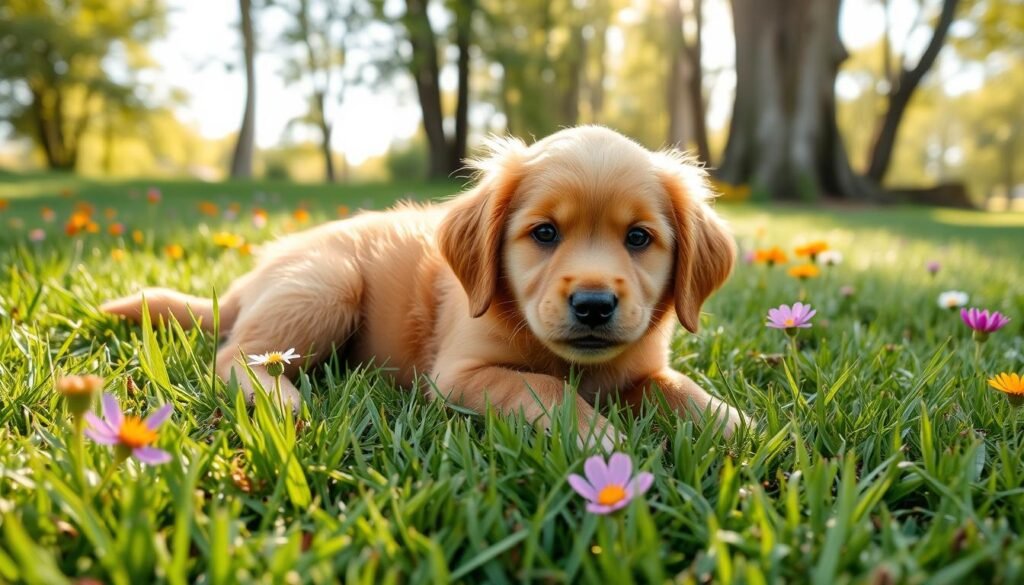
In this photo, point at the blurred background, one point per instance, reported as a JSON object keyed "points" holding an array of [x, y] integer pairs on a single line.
{"points": [[858, 100]]}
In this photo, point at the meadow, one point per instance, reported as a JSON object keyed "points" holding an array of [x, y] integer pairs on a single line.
{"points": [[880, 453]]}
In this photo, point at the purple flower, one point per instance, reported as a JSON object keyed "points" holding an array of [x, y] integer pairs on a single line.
{"points": [[983, 321], [130, 435], [933, 267], [788, 318], [609, 487]]}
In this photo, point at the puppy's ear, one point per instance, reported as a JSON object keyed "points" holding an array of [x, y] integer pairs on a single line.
{"points": [[705, 250], [470, 235]]}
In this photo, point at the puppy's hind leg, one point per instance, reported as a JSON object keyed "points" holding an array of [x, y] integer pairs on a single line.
{"points": [[164, 303], [311, 315]]}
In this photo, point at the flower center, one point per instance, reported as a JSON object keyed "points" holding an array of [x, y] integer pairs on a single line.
{"points": [[134, 433], [274, 358], [790, 322], [611, 495], [951, 302]]}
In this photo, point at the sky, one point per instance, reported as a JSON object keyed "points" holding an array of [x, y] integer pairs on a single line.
{"points": [[201, 54]]}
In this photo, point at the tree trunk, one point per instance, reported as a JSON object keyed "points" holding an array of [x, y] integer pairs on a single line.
{"points": [[901, 92], [241, 159], [463, 40], [698, 105], [325, 137], [425, 71], [783, 138], [680, 131]]}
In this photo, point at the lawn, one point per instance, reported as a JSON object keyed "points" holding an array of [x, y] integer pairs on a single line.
{"points": [[880, 453]]}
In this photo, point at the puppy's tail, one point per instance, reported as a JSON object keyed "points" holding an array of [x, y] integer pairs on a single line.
{"points": [[164, 303]]}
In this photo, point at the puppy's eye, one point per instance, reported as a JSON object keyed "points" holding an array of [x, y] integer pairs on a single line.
{"points": [[545, 233], [638, 238]]}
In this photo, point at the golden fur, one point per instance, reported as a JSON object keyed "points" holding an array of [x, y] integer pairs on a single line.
{"points": [[462, 293]]}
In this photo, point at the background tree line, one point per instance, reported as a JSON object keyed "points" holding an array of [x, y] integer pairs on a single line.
{"points": [[72, 72]]}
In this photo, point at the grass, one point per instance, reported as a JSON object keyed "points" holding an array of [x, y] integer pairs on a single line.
{"points": [[880, 455]]}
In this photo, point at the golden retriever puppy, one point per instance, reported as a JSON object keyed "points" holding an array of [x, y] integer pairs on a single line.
{"points": [[576, 253]]}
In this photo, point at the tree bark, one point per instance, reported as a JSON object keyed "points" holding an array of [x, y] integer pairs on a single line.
{"points": [[783, 138], [901, 92], [425, 71], [463, 41], [686, 105], [241, 159]]}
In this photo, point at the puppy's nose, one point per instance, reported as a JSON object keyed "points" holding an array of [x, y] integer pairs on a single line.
{"points": [[593, 308]]}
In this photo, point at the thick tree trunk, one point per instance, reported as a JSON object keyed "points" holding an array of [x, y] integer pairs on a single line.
{"points": [[783, 138], [241, 159], [425, 71], [901, 92], [698, 105]]}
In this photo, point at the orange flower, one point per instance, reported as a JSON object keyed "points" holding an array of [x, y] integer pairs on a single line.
{"points": [[116, 229], [301, 215], [78, 391], [67, 192], [92, 227], [174, 251], [47, 214], [117, 254], [153, 195], [110, 213], [343, 211], [259, 218], [770, 256], [77, 223], [4, 204], [812, 249], [1011, 385], [138, 237], [245, 249], [86, 208], [209, 209], [804, 271]]}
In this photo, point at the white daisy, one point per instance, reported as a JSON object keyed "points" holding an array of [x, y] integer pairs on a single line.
{"points": [[953, 299], [830, 258], [273, 357]]}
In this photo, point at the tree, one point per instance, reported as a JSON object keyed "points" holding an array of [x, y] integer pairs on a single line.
{"points": [[424, 65], [686, 103], [902, 86], [320, 29], [783, 137], [55, 64], [241, 159]]}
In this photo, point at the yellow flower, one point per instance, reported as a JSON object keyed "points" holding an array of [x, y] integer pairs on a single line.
{"points": [[770, 256], [137, 236], [117, 254], [812, 249], [804, 271], [228, 240], [1011, 385], [174, 251]]}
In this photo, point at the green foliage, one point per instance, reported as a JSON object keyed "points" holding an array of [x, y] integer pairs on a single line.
{"points": [[879, 453]]}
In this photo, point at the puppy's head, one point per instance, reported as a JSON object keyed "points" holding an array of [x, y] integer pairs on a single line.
{"points": [[592, 236]]}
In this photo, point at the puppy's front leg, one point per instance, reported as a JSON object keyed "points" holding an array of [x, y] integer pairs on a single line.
{"points": [[511, 391], [688, 399]]}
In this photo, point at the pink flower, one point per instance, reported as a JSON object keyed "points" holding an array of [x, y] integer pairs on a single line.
{"points": [[37, 235], [784, 317], [130, 435], [983, 322], [609, 487], [933, 267]]}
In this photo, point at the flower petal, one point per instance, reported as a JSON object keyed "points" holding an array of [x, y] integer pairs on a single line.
{"points": [[112, 411], [620, 467], [101, 437], [156, 419], [640, 484], [596, 471], [98, 424], [582, 487], [599, 509], [151, 455]]}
